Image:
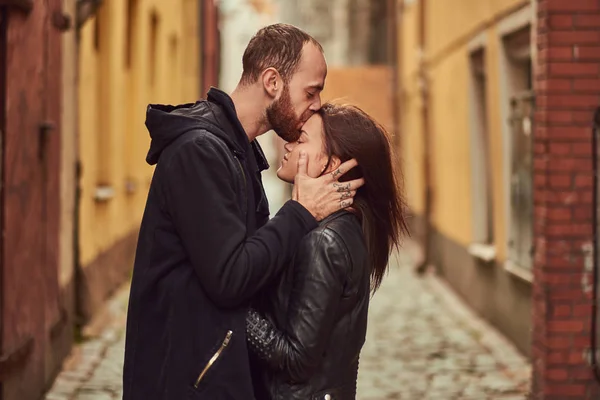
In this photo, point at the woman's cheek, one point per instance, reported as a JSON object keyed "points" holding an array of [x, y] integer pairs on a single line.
{"points": [[291, 166]]}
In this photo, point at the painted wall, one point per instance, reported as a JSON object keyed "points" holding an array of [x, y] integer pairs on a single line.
{"points": [[369, 89], [450, 27], [411, 130], [117, 81], [453, 30]]}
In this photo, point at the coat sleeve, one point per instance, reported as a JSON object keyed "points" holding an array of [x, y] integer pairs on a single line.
{"points": [[297, 348], [200, 196]]}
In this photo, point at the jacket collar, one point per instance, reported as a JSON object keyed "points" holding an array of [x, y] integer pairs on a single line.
{"points": [[334, 216]]}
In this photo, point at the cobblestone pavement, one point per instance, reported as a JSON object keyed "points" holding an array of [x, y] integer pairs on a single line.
{"points": [[422, 344]]}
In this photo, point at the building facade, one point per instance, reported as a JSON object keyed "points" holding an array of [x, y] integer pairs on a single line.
{"points": [[131, 53], [75, 79], [33, 311], [463, 68], [496, 109]]}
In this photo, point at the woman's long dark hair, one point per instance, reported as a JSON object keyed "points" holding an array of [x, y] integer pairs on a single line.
{"points": [[351, 133]]}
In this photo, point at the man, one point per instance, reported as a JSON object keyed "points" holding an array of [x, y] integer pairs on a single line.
{"points": [[205, 246]]}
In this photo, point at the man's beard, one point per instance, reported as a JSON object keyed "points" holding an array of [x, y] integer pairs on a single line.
{"points": [[282, 117]]}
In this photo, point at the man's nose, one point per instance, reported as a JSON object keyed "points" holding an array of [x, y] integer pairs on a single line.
{"points": [[316, 105]]}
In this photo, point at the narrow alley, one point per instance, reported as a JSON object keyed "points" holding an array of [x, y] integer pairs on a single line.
{"points": [[493, 111], [432, 348]]}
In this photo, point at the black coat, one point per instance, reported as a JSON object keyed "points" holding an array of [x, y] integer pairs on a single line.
{"points": [[312, 326], [204, 249]]}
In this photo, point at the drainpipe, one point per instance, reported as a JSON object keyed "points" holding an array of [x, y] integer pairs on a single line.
{"points": [[210, 46], [84, 9], [594, 334], [394, 54], [424, 91]]}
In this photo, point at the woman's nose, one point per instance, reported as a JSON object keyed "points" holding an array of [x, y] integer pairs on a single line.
{"points": [[289, 146]]}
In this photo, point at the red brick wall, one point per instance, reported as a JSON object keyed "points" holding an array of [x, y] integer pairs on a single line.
{"points": [[568, 90]]}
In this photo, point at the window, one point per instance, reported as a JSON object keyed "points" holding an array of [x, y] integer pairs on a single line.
{"points": [[132, 65], [97, 33], [175, 66], [173, 49], [518, 102], [379, 32], [359, 30], [104, 190], [131, 31], [153, 54], [481, 171]]}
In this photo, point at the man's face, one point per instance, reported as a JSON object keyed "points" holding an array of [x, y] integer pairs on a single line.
{"points": [[301, 98]]}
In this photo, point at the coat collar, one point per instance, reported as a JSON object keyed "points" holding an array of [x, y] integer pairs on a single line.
{"points": [[225, 102]]}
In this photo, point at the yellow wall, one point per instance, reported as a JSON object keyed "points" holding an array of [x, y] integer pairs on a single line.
{"points": [[367, 87], [411, 129], [450, 26], [112, 103]]}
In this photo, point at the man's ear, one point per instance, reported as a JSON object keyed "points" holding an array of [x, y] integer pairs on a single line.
{"points": [[333, 165], [272, 82]]}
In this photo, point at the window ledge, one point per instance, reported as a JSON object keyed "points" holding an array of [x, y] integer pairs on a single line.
{"points": [[104, 193], [483, 252], [518, 271]]}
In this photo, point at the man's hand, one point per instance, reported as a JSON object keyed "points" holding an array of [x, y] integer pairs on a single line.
{"points": [[324, 195]]}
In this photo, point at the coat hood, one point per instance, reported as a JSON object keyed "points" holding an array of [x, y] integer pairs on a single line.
{"points": [[166, 123]]}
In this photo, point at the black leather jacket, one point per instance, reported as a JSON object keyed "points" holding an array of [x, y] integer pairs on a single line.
{"points": [[315, 319]]}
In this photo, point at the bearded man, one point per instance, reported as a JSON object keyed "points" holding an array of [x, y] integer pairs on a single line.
{"points": [[206, 244]]}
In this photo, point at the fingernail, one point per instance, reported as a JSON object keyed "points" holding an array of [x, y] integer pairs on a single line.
{"points": [[303, 154]]}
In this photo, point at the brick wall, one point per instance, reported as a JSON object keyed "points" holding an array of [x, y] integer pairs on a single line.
{"points": [[568, 91]]}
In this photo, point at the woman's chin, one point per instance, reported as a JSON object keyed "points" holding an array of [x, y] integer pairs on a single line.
{"points": [[283, 176]]}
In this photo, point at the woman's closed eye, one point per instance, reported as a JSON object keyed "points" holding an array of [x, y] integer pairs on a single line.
{"points": [[303, 138]]}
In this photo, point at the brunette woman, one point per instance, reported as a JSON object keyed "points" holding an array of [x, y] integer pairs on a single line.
{"points": [[309, 328]]}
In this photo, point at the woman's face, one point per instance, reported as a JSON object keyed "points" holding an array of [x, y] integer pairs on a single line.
{"points": [[312, 142]]}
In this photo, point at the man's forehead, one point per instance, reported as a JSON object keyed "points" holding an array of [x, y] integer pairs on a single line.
{"points": [[312, 60]]}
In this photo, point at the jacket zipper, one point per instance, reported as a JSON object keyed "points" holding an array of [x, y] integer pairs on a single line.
{"points": [[214, 358]]}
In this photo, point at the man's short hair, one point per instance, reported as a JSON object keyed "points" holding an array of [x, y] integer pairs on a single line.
{"points": [[276, 46]]}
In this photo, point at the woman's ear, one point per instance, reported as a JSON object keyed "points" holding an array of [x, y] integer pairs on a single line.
{"points": [[333, 164]]}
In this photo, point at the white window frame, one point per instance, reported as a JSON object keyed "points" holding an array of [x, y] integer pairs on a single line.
{"points": [[482, 247]]}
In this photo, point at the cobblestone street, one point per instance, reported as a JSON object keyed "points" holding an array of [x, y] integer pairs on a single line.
{"points": [[423, 343]]}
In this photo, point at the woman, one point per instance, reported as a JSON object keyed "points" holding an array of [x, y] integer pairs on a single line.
{"points": [[309, 329]]}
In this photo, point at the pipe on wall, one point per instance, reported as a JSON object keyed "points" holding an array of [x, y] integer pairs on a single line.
{"points": [[426, 156], [209, 46], [394, 53], [594, 334]]}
